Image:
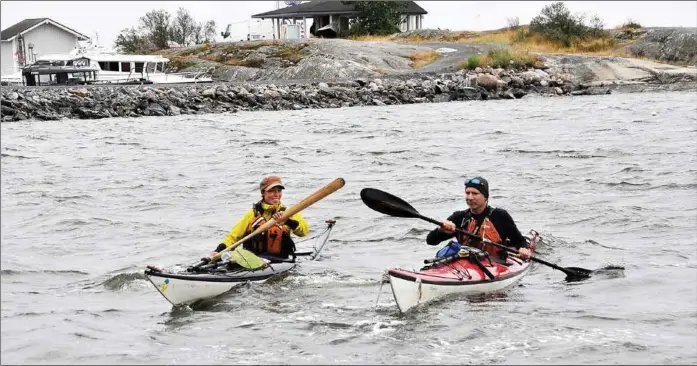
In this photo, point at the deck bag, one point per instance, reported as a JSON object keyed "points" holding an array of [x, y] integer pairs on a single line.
{"points": [[453, 248]]}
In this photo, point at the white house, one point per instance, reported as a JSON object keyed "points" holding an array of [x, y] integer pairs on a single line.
{"points": [[23, 42]]}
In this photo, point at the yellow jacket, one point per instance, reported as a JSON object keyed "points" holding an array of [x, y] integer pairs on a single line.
{"points": [[239, 231]]}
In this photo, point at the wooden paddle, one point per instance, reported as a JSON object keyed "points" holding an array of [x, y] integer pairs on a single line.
{"points": [[330, 188], [388, 204]]}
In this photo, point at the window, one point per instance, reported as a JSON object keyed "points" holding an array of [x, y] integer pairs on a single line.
{"points": [[125, 66]]}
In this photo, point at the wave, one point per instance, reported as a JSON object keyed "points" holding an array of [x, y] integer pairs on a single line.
{"points": [[631, 169], [121, 280], [623, 184], [66, 198], [558, 153], [263, 142], [123, 143], [14, 272], [15, 156], [378, 153], [593, 242], [676, 186]]}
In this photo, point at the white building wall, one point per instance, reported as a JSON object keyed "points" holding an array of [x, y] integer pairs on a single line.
{"points": [[48, 39], [6, 58]]}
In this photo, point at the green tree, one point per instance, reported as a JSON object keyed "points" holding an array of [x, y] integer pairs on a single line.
{"points": [[131, 40], [155, 30], [182, 28], [156, 25], [376, 17], [209, 31]]}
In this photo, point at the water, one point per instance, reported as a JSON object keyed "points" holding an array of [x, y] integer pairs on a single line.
{"points": [[607, 180]]}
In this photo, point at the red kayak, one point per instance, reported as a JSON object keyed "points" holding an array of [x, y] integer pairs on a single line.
{"points": [[470, 271]]}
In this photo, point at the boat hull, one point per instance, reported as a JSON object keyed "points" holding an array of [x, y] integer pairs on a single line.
{"points": [[186, 288], [461, 276]]}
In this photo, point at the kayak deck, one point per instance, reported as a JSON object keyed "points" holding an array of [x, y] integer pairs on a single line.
{"points": [[474, 273]]}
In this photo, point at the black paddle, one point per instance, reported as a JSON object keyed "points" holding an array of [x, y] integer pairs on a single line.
{"points": [[388, 204]]}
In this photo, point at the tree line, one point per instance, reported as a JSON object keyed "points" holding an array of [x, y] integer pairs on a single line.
{"points": [[157, 28]]}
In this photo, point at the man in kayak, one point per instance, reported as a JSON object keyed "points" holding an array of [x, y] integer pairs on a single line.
{"points": [[275, 242], [494, 224]]}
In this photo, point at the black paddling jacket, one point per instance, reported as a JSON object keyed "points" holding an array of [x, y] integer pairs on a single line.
{"points": [[500, 218]]}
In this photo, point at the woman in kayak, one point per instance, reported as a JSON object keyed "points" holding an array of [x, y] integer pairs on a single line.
{"points": [[494, 224], [275, 242]]}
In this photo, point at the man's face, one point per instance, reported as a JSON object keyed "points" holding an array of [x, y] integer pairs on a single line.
{"points": [[475, 200], [273, 195]]}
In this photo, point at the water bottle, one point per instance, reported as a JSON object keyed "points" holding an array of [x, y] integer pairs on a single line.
{"points": [[225, 257]]}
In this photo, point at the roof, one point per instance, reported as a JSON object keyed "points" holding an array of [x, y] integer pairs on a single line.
{"points": [[28, 24], [105, 57], [327, 7]]}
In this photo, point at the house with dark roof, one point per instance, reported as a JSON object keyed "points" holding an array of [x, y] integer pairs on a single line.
{"points": [[23, 42], [330, 17]]}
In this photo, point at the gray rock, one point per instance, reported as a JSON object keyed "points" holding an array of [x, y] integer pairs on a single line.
{"points": [[210, 93], [174, 110], [667, 44], [518, 93], [488, 82]]}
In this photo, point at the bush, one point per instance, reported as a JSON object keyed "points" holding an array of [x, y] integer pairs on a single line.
{"points": [[558, 24], [502, 58], [513, 23], [179, 63], [630, 24], [595, 45], [472, 62]]}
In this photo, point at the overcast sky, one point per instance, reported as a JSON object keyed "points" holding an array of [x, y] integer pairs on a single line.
{"points": [[108, 18]]}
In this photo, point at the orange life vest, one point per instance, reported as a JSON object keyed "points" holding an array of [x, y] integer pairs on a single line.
{"points": [[275, 241], [487, 231]]}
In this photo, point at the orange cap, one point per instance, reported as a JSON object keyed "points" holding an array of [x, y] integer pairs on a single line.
{"points": [[270, 182]]}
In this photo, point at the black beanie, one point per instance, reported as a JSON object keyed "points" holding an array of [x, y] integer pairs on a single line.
{"points": [[479, 184]]}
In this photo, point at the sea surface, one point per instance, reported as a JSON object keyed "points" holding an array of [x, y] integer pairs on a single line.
{"points": [[606, 180]]}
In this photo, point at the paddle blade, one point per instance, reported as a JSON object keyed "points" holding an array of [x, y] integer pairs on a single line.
{"points": [[577, 273], [247, 259], [388, 204]]}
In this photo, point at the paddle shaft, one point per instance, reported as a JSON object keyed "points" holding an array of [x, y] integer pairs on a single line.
{"points": [[309, 200], [389, 204], [534, 259]]}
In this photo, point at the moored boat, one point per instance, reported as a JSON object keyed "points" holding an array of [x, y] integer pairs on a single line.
{"points": [[468, 272], [214, 279]]}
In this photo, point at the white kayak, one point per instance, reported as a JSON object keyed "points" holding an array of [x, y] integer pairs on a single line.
{"points": [[211, 280], [186, 288]]}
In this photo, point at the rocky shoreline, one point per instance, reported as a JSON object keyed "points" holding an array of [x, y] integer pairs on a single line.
{"points": [[54, 103]]}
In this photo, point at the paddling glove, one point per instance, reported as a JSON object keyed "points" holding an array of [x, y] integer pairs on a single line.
{"points": [[220, 247], [292, 224]]}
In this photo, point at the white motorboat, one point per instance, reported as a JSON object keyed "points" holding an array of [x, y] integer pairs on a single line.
{"points": [[119, 68]]}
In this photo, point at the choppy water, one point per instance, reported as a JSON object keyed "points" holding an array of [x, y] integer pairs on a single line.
{"points": [[606, 180]]}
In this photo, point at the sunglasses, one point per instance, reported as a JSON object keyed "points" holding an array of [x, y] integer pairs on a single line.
{"points": [[473, 181]]}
